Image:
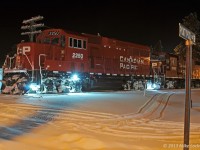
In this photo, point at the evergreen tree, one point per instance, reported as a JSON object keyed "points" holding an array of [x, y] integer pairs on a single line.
{"points": [[158, 47], [192, 23]]}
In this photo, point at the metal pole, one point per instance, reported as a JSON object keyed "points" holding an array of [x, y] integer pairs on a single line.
{"points": [[188, 94], [145, 86], [41, 67]]}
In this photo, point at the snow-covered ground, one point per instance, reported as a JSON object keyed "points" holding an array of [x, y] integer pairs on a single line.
{"points": [[123, 120]]}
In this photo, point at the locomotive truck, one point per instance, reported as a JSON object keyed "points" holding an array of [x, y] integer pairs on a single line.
{"points": [[65, 61]]}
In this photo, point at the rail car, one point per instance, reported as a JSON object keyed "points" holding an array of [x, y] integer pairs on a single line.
{"points": [[169, 70], [65, 61]]}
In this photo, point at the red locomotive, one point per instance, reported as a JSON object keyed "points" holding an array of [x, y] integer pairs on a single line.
{"points": [[65, 61]]}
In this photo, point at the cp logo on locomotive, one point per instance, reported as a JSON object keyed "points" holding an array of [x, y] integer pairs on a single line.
{"points": [[26, 49]]}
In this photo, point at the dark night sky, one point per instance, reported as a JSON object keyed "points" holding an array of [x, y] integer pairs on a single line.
{"points": [[137, 21]]}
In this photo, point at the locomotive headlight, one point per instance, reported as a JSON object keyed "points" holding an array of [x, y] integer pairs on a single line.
{"points": [[156, 86], [153, 86], [75, 77], [34, 87], [149, 86]]}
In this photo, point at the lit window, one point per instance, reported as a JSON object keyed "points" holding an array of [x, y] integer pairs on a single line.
{"points": [[70, 42], [79, 43], [75, 43], [84, 44]]}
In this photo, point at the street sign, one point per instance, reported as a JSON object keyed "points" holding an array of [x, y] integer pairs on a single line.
{"points": [[186, 34]]}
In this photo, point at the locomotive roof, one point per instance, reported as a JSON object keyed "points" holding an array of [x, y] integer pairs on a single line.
{"points": [[120, 42], [108, 39]]}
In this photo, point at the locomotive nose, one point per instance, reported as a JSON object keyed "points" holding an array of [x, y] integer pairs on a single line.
{"points": [[19, 50], [23, 49]]}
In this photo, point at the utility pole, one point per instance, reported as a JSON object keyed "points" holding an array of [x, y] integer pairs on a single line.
{"points": [[31, 25]]}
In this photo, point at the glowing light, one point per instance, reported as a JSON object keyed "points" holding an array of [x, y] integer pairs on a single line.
{"points": [[75, 77], [34, 87], [153, 86], [150, 86]]}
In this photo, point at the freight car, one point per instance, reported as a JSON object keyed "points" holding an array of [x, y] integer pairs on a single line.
{"points": [[169, 71], [65, 61]]}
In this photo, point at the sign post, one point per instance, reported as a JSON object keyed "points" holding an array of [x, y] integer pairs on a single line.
{"points": [[190, 39]]}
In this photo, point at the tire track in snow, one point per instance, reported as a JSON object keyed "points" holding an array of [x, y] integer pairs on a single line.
{"points": [[155, 107], [165, 105], [125, 126]]}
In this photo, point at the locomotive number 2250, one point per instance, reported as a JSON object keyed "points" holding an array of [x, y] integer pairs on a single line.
{"points": [[77, 55]]}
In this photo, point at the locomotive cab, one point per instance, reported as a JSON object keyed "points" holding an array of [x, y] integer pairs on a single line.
{"points": [[53, 58]]}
